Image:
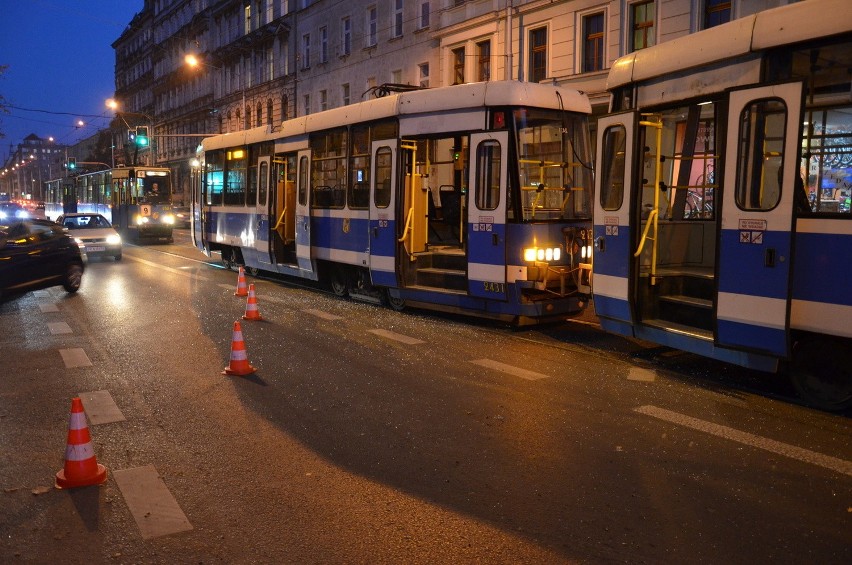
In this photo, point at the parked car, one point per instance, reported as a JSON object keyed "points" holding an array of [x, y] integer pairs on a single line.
{"points": [[93, 233], [37, 254], [183, 216], [12, 210]]}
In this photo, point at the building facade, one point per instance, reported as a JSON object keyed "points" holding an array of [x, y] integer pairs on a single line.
{"points": [[260, 62], [31, 163]]}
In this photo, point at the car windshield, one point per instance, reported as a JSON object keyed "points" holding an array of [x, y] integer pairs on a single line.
{"points": [[85, 222]]}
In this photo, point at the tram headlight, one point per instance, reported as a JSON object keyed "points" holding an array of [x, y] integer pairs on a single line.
{"points": [[168, 219], [141, 220], [533, 254]]}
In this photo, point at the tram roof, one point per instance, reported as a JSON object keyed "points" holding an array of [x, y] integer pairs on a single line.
{"points": [[447, 98], [784, 25]]}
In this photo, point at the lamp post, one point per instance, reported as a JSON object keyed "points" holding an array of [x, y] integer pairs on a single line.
{"points": [[193, 61]]}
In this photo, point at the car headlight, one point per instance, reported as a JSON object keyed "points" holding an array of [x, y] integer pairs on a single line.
{"points": [[532, 254], [78, 241], [2, 215], [168, 219], [113, 239]]}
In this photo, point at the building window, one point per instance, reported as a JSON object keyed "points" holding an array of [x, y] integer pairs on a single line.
{"points": [[397, 18], [259, 119], [323, 44], [269, 111], [458, 66], [372, 26], [423, 23], [306, 100], [642, 25], [538, 54], [323, 101], [346, 35], [423, 69], [285, 108], [306, 51], [247, 16], [716, 12], [593, 42], [483, 67], [345, 95]]}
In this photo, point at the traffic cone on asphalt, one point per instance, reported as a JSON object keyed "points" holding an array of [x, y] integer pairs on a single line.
{"points": [[241, 283], [81, 467], [239, 365], [252, 313]]}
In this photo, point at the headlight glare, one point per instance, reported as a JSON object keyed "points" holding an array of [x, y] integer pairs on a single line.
{"points": [[529, 254], [168, 219], [113, 239]]}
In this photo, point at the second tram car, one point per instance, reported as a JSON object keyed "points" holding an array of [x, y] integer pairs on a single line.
{"points": [[722, 221], [473, 198], [136, 199]]}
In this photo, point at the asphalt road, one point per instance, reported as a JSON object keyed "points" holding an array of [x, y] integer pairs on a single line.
{"points": [[370, 436]]}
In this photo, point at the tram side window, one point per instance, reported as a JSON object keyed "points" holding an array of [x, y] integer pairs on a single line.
{"points": [[384, 181], [303, 181], [214, 177], [761, 154], [827, 160], [488, 163], [612, 179], [235, 187], [328, 174]]}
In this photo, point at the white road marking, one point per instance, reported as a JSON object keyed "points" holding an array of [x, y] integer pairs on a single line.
{"points": [[155, 510], [57, 328], [74, 358], [641, 375], [47, 307], [397, 337], [322, 314], [511, 369], [100, 407], [779, 448]]}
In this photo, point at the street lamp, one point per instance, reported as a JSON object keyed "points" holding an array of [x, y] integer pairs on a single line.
{"points": [[193, 61]]}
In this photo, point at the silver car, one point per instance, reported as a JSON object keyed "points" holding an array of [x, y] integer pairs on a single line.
{"points": [[93, 233]]}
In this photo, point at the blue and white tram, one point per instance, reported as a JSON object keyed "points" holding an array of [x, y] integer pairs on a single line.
{"points": [[473, 198], [724, 174]]}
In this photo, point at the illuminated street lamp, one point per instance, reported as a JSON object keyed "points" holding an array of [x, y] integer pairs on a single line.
{"points": [[142, 136]]}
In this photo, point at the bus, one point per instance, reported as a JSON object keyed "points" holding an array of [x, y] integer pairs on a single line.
{"points": [[473, 198], [136, 199], [722, 223]]}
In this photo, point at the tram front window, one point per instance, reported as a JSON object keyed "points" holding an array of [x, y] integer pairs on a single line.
{"points": [[554, 165], [155, 190]]}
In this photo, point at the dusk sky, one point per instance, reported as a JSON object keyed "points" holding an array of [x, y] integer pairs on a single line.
{"points": [[61, 66]]}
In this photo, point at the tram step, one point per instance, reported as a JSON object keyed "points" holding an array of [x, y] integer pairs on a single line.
{"points": [[680, 328], [688, 300], [453, 279]]}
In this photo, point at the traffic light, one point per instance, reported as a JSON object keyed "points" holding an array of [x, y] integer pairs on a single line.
{"points": [[142, 136], [72, 163]]}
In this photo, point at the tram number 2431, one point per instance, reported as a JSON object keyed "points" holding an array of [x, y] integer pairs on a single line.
{"points": [[496, 287]]}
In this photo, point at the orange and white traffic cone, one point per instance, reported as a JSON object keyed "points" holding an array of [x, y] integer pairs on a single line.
{"points": [[239, 365], [252, 313], [81, 467], [241, 283]]}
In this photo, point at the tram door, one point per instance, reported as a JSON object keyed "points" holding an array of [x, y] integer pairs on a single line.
{"points": [[486, 224], [303, 212], [265, 216], [613, 256], [383, 244], [757, 218]]}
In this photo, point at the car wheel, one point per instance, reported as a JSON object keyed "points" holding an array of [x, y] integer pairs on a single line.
{"points": [[73, 277], [118, 257]]}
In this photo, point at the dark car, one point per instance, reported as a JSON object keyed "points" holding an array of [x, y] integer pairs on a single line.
{"points": [[11, 210], [37, 254], [183, 216]]}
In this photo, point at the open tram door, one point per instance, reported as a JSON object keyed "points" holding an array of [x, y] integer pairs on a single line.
{"points": [[264, 213], [303, 212], [486, 224], [757, 228], [383, 238], [612, 214]]}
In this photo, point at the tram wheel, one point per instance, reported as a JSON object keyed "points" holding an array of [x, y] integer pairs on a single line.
{"points": [[396, 304], [338, 283], [229, 258], [821, 373], [253, 271]]}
